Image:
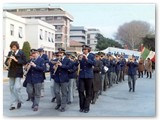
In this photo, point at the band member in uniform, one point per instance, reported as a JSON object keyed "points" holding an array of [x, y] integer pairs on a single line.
{"points": [[61, 80], [46, 62], [15, 61], [85, 79], [34, 78], [132, 72], [72, 78], [52, 63], [97, 77]]}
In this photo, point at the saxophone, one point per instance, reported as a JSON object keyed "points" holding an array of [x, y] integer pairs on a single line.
{"points": [[9, 60]]}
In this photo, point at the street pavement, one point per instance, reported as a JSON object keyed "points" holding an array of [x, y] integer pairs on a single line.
{"points": [[115, 102]]}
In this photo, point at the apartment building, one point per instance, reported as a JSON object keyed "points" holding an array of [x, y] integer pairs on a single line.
{"points": [[79, 34], [52, 15], [38, 33], [91, 37]]}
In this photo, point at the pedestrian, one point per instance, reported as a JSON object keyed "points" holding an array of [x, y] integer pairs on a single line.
{"points": [[132, 73], [140, 68], [15, 61], [87, 62], [52, 63], [26, 67], [46, 62], [97, 77], [61, 79], [149, 68], [72, 73], [34, 78]]}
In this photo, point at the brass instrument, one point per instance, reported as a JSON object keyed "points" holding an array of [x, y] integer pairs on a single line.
{"points": [[9, 60]]}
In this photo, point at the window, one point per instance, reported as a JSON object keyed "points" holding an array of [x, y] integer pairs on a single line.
{"points": [[58, 27], [58, 36], [49, 36], [52, 38], [45, 35], [12, 30], [88, 41], [20, 32], [58, 18], [49, 18], [41, 34], [88, 36]]}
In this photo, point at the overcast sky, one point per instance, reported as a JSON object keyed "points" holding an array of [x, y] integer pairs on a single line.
{"points": [[106, 17]]}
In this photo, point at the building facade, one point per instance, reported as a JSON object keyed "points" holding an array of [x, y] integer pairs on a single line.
{"points": [[52, 15], [79, 34], [36, 32], [91, 37], [41, 35]]}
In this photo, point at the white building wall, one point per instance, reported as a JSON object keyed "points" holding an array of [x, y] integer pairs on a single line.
{"points": [[9, 19], [30, 32], [32, 35]]}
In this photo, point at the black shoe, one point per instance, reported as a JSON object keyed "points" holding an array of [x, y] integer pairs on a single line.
{"points": [[28, 99], [12, 108], [86, 111], [93, 102], [53, 99], [69, 103], [130, 89], [18, 105], [32, 106], [81, 110], [57, 107], [62, 110], [35, 108]]}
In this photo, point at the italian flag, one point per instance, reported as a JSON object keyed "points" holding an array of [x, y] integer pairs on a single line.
{"points": [[146, 53]]}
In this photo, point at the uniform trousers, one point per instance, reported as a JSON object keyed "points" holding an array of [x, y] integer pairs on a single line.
{"points": [[34, 91], [61, 92], [85, 93]]}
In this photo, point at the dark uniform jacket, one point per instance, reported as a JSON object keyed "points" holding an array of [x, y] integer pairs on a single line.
{"points": [[97, 78], [73, 70], [132, 68], [86, 70], [35, 74], [16, 68], [46, 60], [61, 75]]}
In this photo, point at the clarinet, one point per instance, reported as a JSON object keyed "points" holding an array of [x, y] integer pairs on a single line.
{"points": [[56, 65], [26, 70]]}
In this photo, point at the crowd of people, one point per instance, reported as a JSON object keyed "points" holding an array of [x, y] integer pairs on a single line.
{"points": [[90, 74]]}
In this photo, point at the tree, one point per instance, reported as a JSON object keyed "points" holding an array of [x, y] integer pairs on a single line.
{"points": [[131, 33], [149, 42], [26, 49], [104, 43]]}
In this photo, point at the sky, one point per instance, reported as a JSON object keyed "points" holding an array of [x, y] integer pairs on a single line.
{"points": [[106, 17]]}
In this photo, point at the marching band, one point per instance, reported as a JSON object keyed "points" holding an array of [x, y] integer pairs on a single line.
{"points": [[89, 73]]}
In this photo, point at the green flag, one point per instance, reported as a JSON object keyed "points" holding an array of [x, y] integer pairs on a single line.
{"points": [[145, 52]]}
